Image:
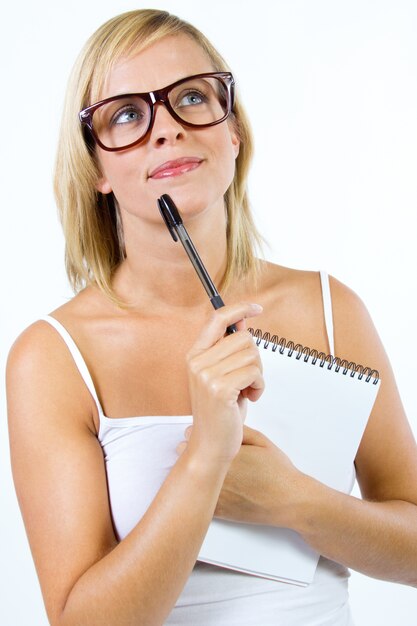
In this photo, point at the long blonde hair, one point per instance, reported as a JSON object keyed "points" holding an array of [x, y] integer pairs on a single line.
{"points": [[90, 220]]}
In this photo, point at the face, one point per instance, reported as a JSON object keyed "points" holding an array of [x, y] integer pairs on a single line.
{"points": [[139, 175]]}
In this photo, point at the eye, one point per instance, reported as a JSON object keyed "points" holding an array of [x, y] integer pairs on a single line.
{"points": [[127, 115], [191, 98]]}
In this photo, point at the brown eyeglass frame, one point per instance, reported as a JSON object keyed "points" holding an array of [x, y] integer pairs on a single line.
{"points": [[152, 98]]}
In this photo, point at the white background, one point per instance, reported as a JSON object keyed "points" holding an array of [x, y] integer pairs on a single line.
{"points": [[331, 88]]}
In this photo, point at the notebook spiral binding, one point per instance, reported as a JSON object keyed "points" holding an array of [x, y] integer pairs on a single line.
{"points": [[281, 344]]}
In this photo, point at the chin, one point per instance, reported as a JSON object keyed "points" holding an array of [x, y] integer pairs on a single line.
{"points": [[193, 203]]}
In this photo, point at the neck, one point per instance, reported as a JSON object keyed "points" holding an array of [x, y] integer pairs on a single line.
{"points": [[157, 272]]}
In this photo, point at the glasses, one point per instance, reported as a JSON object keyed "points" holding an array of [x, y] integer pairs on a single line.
{"points": [[123, 121]]}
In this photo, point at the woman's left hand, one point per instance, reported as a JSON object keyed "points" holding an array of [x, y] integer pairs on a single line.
{"points": [[261, 484]]}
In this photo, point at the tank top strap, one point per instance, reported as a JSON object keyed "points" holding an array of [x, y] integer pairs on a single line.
{"points": [[78, 358], [327, 306]]}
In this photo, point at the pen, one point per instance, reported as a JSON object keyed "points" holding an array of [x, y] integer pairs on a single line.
{"points": [[174, 223]]}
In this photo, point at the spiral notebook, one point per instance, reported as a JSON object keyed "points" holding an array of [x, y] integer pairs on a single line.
{"points": [[315, 408]]}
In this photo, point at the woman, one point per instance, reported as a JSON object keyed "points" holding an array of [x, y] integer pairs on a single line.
{"points": [[116, 489]]}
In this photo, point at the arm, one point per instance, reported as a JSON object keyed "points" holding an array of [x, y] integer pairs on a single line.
{"points": [[58, 468], [376, 535]]}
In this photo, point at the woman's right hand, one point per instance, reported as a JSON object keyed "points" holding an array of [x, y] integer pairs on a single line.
{"points": [[223, 372]]}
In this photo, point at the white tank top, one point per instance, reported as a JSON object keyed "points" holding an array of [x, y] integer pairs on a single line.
{"points": [[139, 453]]}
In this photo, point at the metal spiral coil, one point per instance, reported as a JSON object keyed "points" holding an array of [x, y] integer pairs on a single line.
{"points": [[306, 353]]}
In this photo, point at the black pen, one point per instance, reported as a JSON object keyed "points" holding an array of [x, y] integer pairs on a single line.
{"points": [[174, 223]]}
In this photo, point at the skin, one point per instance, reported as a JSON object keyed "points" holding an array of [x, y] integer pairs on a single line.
{"points": [[223, 468]]}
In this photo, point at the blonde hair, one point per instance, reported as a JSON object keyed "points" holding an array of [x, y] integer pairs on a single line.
{"points": [[90, 220]]}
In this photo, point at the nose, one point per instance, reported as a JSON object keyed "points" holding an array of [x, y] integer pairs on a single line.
{"points": [[165, 129]]}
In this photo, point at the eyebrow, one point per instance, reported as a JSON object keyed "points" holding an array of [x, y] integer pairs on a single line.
{"points": [[130, 92]]}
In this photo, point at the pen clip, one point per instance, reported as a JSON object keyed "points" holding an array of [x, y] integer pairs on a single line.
{"points": [[170, 214]]}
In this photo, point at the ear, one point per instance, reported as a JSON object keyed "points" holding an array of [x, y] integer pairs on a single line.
{"points": [[235, 142], [236, 145], [103, 185]]}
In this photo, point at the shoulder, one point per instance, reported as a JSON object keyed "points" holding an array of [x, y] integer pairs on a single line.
{"points": [[356, 337], [277, 282], [293, 302], [33, 348], [284, 289], [345, 301], [304, 287], [40, 344], [302, 284], [42, 377]]}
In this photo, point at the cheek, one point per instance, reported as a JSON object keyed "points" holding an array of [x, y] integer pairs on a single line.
{"points": [[233, 143], [120, 171], [228, 165]]}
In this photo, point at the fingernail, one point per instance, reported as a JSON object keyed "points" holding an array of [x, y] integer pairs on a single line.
{"points": [[256, 307]]}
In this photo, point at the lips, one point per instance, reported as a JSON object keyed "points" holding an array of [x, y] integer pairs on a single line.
{"points": [[175, 167]]}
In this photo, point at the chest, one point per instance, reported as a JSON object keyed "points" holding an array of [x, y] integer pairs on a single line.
{"points": [[140, 369], [139, 365]]}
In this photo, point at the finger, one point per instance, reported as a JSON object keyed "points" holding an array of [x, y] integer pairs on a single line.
{"points": [[229, 345], [230, 386], [253, 394], [241, 324], [187, 433], [239, 372], [216, 327], [212, 368]]}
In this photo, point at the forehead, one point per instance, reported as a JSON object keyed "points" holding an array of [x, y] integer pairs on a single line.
{"points": [[158, 65]]}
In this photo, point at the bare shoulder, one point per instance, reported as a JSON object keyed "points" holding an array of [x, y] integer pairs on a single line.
{"points": [[36, 355], [293, 300], [40, 367], [346, 303], [302, 285], [356, 337], [39, 338], [39, 344], [293, 305], [273, 276]]}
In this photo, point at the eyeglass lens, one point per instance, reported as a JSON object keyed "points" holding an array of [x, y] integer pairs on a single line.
{"points": [[198, 101]]}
